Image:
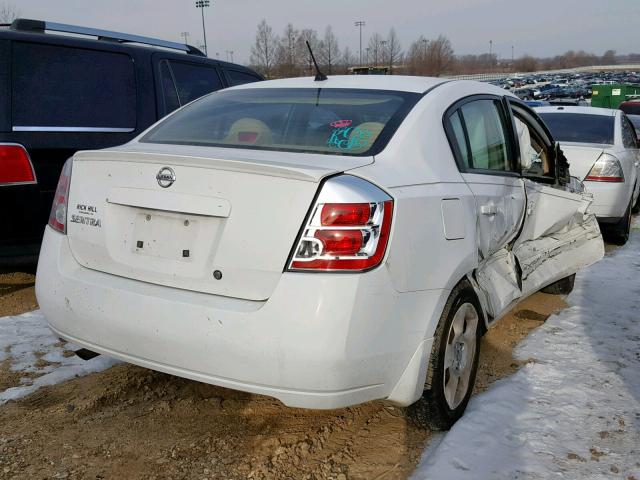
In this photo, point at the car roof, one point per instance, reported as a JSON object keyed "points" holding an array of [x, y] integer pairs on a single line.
{"points": [[607, 112], [76, 41], [367, 82]]}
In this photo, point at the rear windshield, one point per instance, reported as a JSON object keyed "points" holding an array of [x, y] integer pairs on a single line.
{"points": [[580, 127], [313, 120]]}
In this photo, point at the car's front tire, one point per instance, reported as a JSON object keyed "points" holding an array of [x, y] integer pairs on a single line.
{"points": [[454, 359]]}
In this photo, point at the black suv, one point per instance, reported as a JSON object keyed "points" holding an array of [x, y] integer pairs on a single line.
{"points": [[92, 89]]}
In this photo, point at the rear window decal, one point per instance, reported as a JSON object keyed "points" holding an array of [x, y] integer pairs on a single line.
{"points": [[341, 123], [350, 138]]}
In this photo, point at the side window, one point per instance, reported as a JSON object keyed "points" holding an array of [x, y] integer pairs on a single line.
{"points": [[193, 81], [67, 87], [628, 134], [460, 137], [535, 158], [482, 125], [237, 77], [169, 91]]}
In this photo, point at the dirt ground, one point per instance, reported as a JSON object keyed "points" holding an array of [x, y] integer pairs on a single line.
{"points": [[129, 422]]}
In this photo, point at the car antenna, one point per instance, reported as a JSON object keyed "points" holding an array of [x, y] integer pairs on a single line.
{"points": [[319, 75]]}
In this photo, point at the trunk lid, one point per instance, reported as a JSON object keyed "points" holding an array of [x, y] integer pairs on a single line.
{"points": [[581, 157], [235, 212]]}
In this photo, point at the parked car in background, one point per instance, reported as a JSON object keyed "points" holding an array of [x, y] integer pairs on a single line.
{"points": [[630, 107], [602, 147], [323, 242], [527, 93], [536, 103], [568, 102], [76, 90]]}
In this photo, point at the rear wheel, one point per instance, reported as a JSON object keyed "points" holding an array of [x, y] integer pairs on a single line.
{"points": [[454, 359], [618, 232], [562, 286]]}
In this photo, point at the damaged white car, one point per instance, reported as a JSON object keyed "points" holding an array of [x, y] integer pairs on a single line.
{"points": [[322, 242]]}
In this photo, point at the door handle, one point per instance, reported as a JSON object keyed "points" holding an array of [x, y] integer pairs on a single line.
{"points": [[488, 209]]}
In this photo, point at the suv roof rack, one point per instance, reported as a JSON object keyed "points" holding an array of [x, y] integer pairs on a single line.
{"points": [[26, 25]]}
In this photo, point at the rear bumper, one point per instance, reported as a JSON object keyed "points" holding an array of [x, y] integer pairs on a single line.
{"points": [[610, 200], [320, 341]]}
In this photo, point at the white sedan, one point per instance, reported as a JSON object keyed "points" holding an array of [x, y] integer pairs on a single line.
{"points": [[602, 147], [325, 242]]}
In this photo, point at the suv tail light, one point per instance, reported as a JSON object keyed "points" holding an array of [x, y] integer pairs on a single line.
{"points": [[347, 230], [15, 165], [606, 169], [58, 216]]}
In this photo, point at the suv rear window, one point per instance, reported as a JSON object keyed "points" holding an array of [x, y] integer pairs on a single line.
{"points": [[313, 120], [194, 81], [64, 87], [580, 127], [237, 77]]}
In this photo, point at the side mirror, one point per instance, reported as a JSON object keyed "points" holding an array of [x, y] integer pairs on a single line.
{"points": [[562, 165]]}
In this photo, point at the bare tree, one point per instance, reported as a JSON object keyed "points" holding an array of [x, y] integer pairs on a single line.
{"points": [[263, 51], [609, 57], [347, 60], [304, 59], [375, 48], [416, 58], [8, 13], [286, 57], [392, 50], [526, 64], [329, 50], [439, 56]]}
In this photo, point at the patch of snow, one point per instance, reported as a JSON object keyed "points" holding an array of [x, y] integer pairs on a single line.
{"points": [[574, 411], [32, 349]]}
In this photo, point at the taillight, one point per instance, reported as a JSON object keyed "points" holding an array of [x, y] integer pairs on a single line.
{"points": [[15, 166], [606, 169], [58, 216], [348, 228]]}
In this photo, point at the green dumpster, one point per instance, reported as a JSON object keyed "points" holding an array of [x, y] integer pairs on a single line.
{"points": [[611, 96]]}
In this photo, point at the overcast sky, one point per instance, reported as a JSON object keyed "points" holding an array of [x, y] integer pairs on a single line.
{"points": [[537, 27]]}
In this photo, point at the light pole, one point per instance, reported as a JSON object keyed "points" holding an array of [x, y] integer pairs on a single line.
{"points": [[360, 24], [185, 35], [202, 4], [491, 55]]}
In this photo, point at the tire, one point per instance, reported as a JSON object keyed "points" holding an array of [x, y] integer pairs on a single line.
{"points": [[618, 233], [454, 360], [561, 287]]}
